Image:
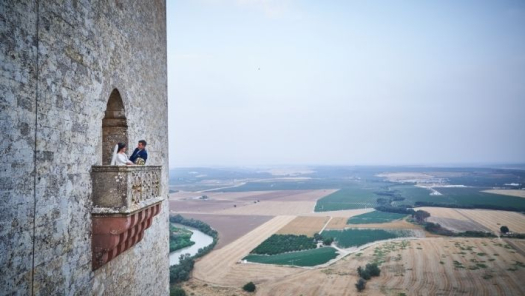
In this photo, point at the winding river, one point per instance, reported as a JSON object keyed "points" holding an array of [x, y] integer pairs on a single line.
{"points": [[201, 240]]}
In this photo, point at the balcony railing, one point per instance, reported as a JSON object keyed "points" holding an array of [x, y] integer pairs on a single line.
{"points": [[125, 200], [124, 189]]}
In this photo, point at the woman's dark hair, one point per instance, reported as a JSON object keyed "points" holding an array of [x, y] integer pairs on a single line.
{"points": [[120, 146], [143, 143]]}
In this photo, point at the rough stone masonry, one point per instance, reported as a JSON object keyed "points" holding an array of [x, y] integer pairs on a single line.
{"points": [[60, 61]]}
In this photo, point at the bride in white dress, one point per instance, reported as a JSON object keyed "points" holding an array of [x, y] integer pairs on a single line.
{"points": [[119, 155]]}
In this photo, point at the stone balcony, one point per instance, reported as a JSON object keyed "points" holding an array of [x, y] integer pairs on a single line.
{"points": [[125, 200]]}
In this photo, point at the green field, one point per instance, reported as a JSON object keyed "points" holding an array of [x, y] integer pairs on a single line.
{"points": [[360, 187], [375, 217], [459, 197], [301, 258], [347, 199], [358, 237]]}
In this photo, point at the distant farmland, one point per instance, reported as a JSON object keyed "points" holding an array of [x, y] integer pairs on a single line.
{"points": [[461, 197], [347, 199]]}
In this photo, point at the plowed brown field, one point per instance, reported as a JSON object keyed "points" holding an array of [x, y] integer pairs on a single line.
{"points": [[231, 227]]}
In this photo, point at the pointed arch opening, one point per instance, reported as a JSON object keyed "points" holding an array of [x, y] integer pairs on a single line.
{"points": [[114, 126]]}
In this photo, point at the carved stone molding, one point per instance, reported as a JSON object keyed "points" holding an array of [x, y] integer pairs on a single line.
{"points": [[112, 235]]}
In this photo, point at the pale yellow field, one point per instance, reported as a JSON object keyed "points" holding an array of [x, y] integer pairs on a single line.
{"points": [[337, 223], [181, 195], [511, 192], [278, 195], [345, 213], [493, 220], [483, 220], [416, 270], [443, 213], [272, 208], [418, 267], [304, 225]]}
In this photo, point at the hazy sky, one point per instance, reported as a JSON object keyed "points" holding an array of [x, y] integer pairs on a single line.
{"points": [[345, 82]]}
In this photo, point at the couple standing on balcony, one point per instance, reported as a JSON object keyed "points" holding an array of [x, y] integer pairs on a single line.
{"points": [[139, 156]]}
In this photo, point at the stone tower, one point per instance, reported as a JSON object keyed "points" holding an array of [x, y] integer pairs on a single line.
{"points": [[77, 76]]}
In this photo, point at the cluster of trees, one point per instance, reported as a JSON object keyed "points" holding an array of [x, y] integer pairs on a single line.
{"points": [[181, 272], [360, 285], [282, 243], [370, 270], [383, 201], [391, 196], [179, 238], [326, 240], [421, 216], [249, 287], [177, 291], [506, 232]]}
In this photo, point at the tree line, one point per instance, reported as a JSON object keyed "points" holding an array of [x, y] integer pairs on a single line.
{"points": [[282, 243], [179, 238]]}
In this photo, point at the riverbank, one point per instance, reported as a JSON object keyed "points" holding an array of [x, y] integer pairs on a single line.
{"points": [[198, 238]]}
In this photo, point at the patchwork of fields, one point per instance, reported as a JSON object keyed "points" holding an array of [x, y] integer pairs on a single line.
{"points": [[433, 266], [459, 197], [247, 215]]}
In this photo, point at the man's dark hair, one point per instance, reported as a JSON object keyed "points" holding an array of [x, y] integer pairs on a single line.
{"points": [[143, 143]]}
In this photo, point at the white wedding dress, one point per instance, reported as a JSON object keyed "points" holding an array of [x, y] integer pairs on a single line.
{"points": [[122, 159], [119, 159]]}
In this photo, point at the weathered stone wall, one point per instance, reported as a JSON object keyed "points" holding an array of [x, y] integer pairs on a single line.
{"points": [[52, 107], [17, 125]]}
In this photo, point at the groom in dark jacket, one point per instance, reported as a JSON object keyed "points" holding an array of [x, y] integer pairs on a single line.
{"points": [[140, 151]]}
